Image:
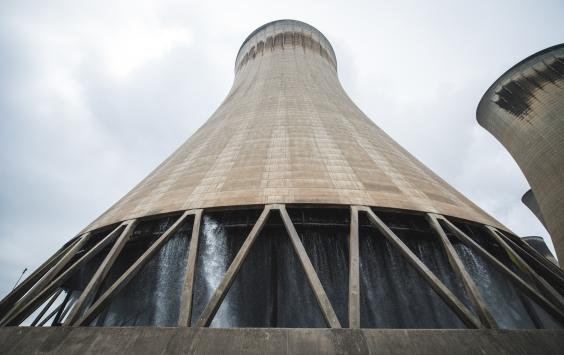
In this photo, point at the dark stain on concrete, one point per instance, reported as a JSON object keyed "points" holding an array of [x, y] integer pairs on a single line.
{"points": [[517, 95]]}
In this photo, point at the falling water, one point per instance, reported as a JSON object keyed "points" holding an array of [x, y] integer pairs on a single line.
{"points": [[272, 290], [328, 251], [152, 297], [169, 268], [215, 253], [500, 295], [393, 294]]}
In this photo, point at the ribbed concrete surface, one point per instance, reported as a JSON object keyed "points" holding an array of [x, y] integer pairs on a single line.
{"points": [[288, 133], [530, 201], [524, 110], [277, 341]]}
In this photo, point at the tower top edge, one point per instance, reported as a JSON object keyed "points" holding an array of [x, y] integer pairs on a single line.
{"points": [[280, 26], [524, 64]]}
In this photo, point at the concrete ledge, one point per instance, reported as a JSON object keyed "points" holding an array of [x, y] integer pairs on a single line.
{"points": [[146, 340]]}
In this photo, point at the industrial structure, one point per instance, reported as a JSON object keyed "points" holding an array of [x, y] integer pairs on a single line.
{"points": [[539, 245], [289, 208], [524, 110], [530, 201]]}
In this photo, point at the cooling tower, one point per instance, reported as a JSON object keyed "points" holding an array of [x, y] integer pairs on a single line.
{"points": [[539, 245], [294, 224], [530, 201], [524, 110]]}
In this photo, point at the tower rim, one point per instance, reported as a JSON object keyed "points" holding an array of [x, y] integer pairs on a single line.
{"points": [[288, 22], [526, 61]]}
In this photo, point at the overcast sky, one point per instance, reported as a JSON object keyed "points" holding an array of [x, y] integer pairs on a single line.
{"points": [[93, 95]]}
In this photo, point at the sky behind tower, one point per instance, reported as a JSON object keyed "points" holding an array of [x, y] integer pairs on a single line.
{"points": [[94, 95]]}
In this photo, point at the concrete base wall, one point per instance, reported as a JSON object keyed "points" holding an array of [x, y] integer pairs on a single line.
{"points": [[145, 340]]}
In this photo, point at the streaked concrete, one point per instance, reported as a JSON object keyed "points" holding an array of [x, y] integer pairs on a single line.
{"points": [[530, 201], [524, 110], [288, 133], [144, 340]]}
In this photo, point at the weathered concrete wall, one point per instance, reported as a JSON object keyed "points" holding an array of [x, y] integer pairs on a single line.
{"points": [[141, 340], [530, 201], [524, 110], [288, 133]]}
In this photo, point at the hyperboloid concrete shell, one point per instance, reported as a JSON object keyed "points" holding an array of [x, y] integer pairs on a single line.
{"points": [[530, 201], [289, 208], [288, 133], [524, 110]]}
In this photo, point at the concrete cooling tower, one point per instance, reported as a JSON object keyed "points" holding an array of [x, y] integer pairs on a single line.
{"points": [[290, 223], [524, 110]]}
